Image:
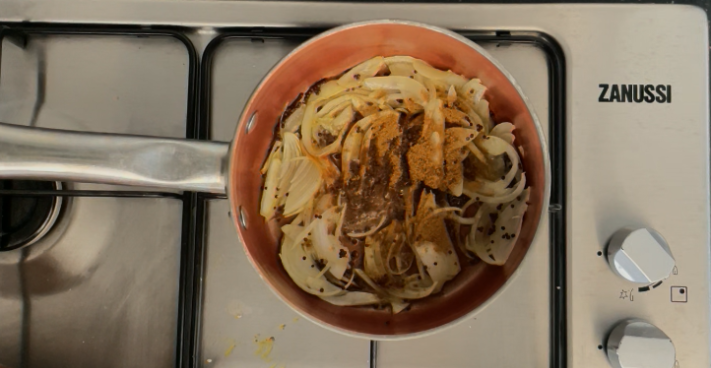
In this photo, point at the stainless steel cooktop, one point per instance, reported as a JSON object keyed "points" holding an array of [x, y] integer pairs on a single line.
{"points": [[133, 277]]}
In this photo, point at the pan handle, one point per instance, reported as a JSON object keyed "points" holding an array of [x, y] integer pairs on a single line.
{"points": [[45, 154]]}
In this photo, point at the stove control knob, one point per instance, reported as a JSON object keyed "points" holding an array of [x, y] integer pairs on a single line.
{"points": [[640, 255], [638, 344]]}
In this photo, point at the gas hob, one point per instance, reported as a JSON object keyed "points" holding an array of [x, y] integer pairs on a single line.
{"points": [[136, 277]]}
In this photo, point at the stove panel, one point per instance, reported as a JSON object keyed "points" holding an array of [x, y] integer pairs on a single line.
{"points": [[628, 164], [640, 164], [101, 288], [108, 84]]}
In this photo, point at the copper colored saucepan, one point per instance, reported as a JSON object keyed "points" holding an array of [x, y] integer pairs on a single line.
{"points": [[234, 168]]}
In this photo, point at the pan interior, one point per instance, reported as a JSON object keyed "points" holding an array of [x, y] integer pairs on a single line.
{"points": [[329, 55]]}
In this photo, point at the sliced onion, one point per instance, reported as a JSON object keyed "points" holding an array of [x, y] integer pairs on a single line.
{"points": [[323, 204], [336, 105], [451, 96], [390, 60], [513, 172], [330, 249], [350, 281], [439, 76], [504, 131], [465, 220], [307, 214], [410, 88], [323, 270], [269, 194], [495, 247], [304, 234], [442, 264], [307, 127], [492, 145], [418, 262], [353, 143], [476, 152], [405, 66], [330, 172], [292, 146], [352, 93], [414, 292], [460, 137], [342, 216], [443, 210], [353, 298], [331, 217], [328, 90], [396, 99], [506, 197], [292, 231], [367, 106], [304, 184], [378, 95], [363, 70], [351, 150], [474, 90], [400, 270], [340, 123], [482, 110], [455, 139], [292, 123], [368, 280], [484, 208], [500, 187], [275, 152], [434, 117], [291, 153], [373, 262], [398, 305], [468, 107], [401, 69], [330, 123], [368, 140], [301, 268]]}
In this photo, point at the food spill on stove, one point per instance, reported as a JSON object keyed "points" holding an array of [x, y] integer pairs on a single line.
{"points": [[389, 179], [282, 326], [264, 347], [230, 347], [295, 319], [237, 309]]}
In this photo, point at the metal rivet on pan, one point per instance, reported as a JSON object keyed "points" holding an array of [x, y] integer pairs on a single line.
{"points": [[250, 122], [242, 218]]}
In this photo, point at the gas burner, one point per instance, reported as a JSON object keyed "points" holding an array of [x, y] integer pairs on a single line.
{"points": [[26, 219]]}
